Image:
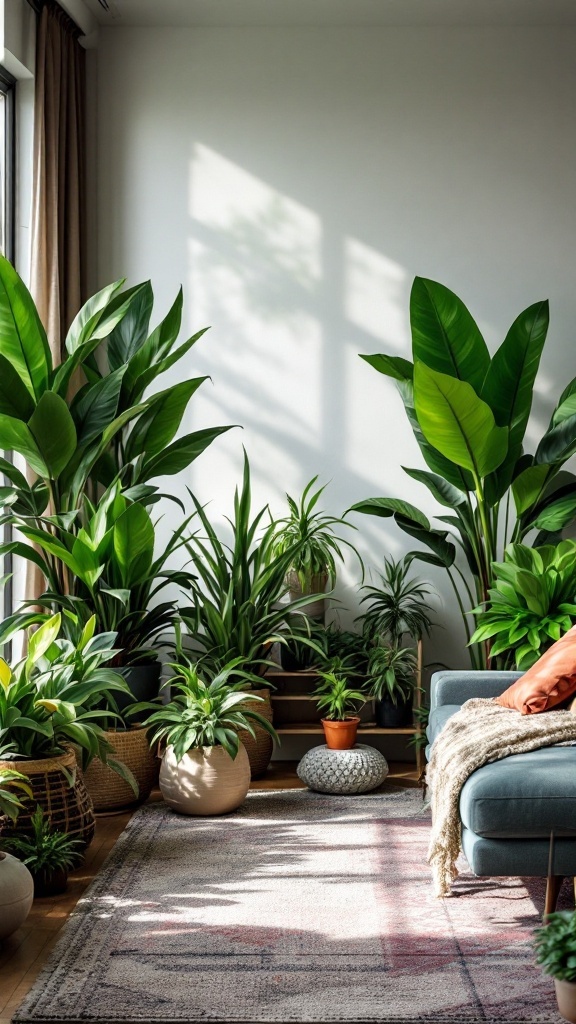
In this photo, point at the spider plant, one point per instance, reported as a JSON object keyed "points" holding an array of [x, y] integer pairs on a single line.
{"points": [[399, 605], [237, 593], [46, 850], [335, 698], [202, 713], [392, 672], [309, 536]]}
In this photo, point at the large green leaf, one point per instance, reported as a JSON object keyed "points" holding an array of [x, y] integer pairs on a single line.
{"points": [[148, 355], [387, 507], [444, 335], [156, 427], [97, 405], [133, 544], [458, 423], [132, 331], [15, 399], [54, 432], [509, 383], [558, 443], [23, 339], [180, 454], [391, 366], [557, 515], [439, 465], [444, 550], [88, 318], [16, 436], [527, 487], [441, 489]]}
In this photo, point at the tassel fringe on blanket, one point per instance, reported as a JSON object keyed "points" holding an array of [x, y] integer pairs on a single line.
{"points": [[479, 733]]}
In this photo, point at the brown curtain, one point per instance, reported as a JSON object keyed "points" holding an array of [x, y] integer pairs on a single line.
{"points": [[58, 214]]}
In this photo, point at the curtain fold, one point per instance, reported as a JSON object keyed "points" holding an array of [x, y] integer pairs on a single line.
{"points": [[58, 267]]}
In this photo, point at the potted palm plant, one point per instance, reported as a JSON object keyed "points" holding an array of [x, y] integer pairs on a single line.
{"points": [[392, 675], [555, 945], [338, 702], [16, 883], [237, 610], [47, 703], [47, 853], [310, 534], [205, 768]]}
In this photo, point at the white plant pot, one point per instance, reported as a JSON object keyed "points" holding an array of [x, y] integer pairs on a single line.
{"points": [[206, 781], [16, 894]]}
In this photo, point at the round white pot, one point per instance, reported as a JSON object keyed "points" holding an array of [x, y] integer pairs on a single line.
{"points": [[16, 894], [206, 781]]}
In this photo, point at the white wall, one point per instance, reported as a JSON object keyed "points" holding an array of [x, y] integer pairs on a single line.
{"points": [[295, 181]]}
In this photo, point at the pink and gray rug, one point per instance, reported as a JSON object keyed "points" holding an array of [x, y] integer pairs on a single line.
{"points": [[299, 907]]}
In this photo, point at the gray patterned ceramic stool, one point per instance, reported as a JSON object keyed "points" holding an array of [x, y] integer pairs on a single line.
{"points": [[357, 770]]}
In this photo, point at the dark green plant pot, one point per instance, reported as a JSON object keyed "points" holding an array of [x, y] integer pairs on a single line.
{"points": [[144, 683], [393, 716], [50, 883]]}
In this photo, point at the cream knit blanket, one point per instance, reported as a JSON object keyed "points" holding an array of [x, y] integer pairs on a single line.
{"points": [[480, 732]]}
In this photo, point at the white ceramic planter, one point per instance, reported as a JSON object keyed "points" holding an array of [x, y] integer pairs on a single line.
{"points": [[566, 997], [206, 781], [16, 894]]}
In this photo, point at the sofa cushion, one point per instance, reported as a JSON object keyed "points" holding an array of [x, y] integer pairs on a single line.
{"points": [[522, 796], [438, 718], [550, 681]]}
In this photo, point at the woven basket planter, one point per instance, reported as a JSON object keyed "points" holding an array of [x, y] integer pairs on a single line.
{"points": [[259, 750], [108, 791], [68, 808]]}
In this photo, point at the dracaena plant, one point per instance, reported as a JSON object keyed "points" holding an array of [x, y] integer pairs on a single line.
{"points": [[109, 429], [531, 604], [112, 574], [204, 712], [469, 413], [335, 698], [392, 672], [54, 696], [45, 850], [399, 606], [238, 589]]}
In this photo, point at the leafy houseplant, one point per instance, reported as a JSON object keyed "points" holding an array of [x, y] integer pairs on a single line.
{"points": [[205, 768], [531, 604], [10, 804], [469, 414], [339, 703], [556, 953], [47, 853], [392, 676], [310, 535]]}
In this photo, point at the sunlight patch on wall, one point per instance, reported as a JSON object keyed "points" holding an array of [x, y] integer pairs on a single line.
{"points": [[375, 299]]}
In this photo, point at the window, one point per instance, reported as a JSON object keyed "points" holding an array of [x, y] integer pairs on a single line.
{"points": [[7, 247]]}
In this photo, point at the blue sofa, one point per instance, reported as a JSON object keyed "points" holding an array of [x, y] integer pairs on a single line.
{"points": [[509, 808]]}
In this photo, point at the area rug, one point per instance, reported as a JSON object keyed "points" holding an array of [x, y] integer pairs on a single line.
{"points": [[298, 907]]}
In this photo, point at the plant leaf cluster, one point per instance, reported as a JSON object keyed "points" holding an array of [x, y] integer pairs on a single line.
{"points": [[10, 803], [469, 414], [398, 606], [335, 698], [555, 944], [531, 603], [392, 672], [47, 849], [202, 714]]}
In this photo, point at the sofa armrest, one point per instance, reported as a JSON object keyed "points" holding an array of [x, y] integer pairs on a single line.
{"points": [[456, 687]]}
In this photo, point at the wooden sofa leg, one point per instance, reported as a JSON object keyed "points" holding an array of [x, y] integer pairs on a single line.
{"points": [[553, 886]]}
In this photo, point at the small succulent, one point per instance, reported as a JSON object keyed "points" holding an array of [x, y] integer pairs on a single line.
{"points": [[555, 944]]}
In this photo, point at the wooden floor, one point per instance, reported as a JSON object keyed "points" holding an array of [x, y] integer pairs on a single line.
{"points": [[23, 955]]}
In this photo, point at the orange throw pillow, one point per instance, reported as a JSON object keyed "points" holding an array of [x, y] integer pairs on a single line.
{"points": [[550, 681]]}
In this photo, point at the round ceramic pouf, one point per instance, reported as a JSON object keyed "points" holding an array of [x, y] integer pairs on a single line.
{"points": [[16, 894], [357, 770]]}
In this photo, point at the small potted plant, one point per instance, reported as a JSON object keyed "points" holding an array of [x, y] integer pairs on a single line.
{"points": [[47, 853], [392, 678], [555, 945], [311, 536], [338, 702], [205, 768], [16, 883]]}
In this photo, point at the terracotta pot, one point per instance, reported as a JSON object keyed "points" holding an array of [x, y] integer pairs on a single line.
{"points": [[69, 807], [16, 894], [108, 790], [566, 997], [318, 584], [340, 735], [206, 781], [258, 748]]}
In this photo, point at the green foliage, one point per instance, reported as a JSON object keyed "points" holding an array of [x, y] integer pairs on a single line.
{"points": [[531, 604], [347, 651], [469, 415], [236, 611], [392, 672], [399, 606], [309, 534], [50, 697], [204, 714], [555, 944], [10, 804], [335, 698], [114, 575], [47, 850]]}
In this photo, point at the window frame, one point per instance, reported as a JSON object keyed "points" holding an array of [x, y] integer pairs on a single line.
{"points": [[8, 90]]}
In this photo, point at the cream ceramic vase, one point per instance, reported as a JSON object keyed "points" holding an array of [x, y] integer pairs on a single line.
{"points": [[16, 894], [206, 781], [566, 997]]}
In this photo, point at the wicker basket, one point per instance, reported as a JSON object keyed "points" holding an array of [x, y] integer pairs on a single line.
{"points": [[259, 750], [108, 791], [69, 808]]}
